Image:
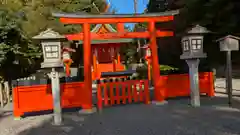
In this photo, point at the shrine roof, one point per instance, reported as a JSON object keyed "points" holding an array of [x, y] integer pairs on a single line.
{"points": [[106, 15], [107, 26]]}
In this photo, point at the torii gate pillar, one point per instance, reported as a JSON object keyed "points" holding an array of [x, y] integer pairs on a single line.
{"points": [[87, 66], [158, 94]]}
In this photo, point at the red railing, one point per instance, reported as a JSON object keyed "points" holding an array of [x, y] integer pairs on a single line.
{"points": [[179, 85], [112, 92], [39, 98]]}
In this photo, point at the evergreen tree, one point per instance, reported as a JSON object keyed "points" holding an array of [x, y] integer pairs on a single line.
{"points": [[20, 20]]}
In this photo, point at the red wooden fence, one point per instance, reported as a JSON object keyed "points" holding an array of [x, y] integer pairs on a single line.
{"points": [[179, 85], [122, 92], [39, 98]]}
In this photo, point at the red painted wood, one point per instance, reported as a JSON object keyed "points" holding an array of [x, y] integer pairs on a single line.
{"points": [[124, 98], [112, 98], [135, 95], [129, 91], [141, 85], [99, 96], [39, 98], [87, 63], [146, 92], [115, 20], [120, 35], [170, 82], [127, 87], [118, 85], [120, 27], [106, 97], [155, 64]]}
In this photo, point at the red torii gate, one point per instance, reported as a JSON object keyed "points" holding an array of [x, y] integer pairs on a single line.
{"points": [[120, 19]]}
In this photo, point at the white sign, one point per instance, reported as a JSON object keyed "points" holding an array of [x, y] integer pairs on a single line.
{"points": [[149, 52], [66, 55]]}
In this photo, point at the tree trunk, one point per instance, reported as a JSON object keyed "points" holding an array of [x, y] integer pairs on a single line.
{"points": [[1, 95], [7, 91]]}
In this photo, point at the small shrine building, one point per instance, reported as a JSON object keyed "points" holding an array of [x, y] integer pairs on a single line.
{"points": [[106, 55]]}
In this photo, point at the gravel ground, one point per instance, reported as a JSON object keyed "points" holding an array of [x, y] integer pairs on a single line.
{"points": [[214, 117]]}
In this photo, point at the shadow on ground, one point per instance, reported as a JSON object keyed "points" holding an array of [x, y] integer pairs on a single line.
{"points": [[214, 117]]}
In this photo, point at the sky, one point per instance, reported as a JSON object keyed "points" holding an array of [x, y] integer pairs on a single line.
{"points": [[127, 6]]}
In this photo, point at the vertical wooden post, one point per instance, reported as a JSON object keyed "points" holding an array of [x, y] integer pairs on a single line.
{"points": [[95, 63], [155, 65], [149, 69], [211, 91], [113, 58], [146, 92], [87, 65], [118, 56], [99, 96], [120, 27]]}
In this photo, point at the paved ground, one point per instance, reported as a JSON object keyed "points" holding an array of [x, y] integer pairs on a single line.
{"points": [[214, 117], [221, 83]]}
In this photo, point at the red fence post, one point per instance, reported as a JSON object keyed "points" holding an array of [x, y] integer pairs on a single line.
{"points": [[118, 84], [124, 92], [99, 96], [211, 91], [111, 88], [135, 95], [146, 92], [105, 89], [16, 110], [141, 85], [129, 87]]}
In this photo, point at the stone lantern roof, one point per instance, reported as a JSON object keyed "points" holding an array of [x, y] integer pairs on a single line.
{"points": [[49, 34]]}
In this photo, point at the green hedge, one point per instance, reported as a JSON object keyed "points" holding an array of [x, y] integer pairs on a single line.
{"points": [[164, 69]]}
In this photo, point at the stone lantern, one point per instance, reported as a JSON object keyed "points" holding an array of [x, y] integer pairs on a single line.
{"points": [[192, 47], [51, 46], [192, 43], [228, 44]]}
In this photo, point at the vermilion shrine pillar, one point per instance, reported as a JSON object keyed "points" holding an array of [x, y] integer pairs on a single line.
{"points": [[87, 65], [120, 27], [155, 64]]}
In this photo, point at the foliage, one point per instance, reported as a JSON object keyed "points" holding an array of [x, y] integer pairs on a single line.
{"points": [[20, 20], [219, 16], [130, 53], [164, 69], [167, 68]]}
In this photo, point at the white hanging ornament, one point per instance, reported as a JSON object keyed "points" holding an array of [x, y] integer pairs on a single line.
{"points": [[66, 55], [148, 52]]}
